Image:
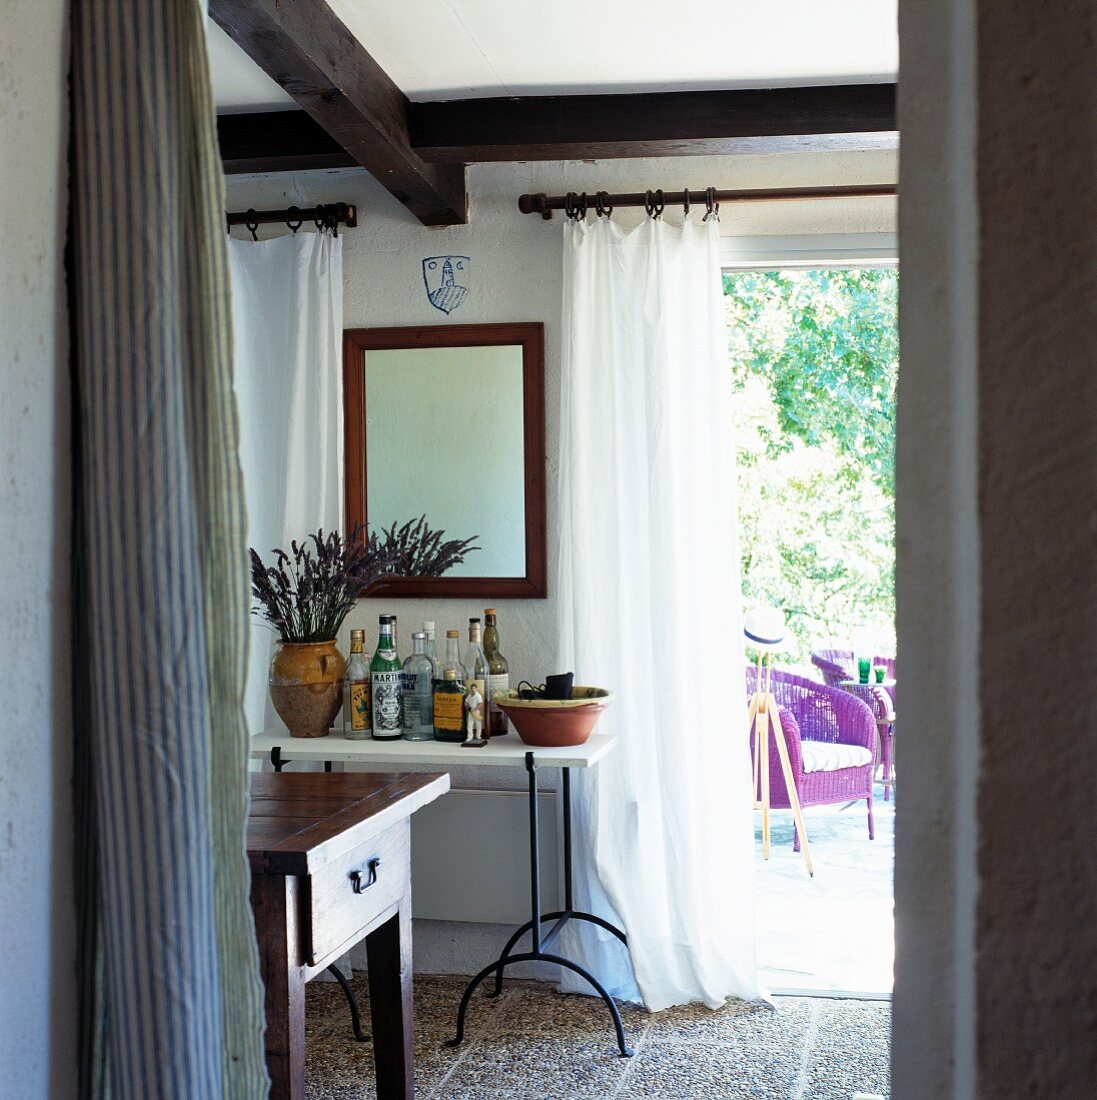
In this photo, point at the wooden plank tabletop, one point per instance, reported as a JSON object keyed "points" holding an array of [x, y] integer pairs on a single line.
{"points": [[298, 821]]}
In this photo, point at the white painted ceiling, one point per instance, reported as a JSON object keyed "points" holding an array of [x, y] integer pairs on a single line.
{"points": [[457, 49]]}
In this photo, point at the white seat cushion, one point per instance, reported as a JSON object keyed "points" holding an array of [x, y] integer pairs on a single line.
{"points": [[823, 756]]}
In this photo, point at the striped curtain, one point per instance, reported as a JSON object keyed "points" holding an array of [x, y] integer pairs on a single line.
{"points": [[170, 995]]}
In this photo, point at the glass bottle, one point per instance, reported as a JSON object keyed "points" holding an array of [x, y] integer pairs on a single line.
{"points": [[476, 667], [432, 649], [395, 635], [356, 691], [418, 691], [453, 659], [449, 708], [386, 676], [498, 675]]}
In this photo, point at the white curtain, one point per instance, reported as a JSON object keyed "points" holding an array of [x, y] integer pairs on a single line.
{"points": [[287, 316], [649, 606]]}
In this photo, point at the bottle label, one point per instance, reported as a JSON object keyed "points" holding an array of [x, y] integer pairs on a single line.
{"points": [[386, 701], [418, 705], [498, 681], [449, 710], [360, 705]]}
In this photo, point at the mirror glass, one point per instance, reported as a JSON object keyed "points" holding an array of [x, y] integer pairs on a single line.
{"points": [[448, 422], [444, 439]]}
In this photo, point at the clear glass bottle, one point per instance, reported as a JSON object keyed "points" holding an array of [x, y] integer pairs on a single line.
{"points": [[476, 667], [395, 635], [418, 718], [357, 705], [498, 675], [386, 676], [449, 708], [453, 658], [432, 649]]}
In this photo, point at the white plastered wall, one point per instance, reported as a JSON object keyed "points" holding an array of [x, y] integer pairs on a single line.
{"points": [[37, 977]]}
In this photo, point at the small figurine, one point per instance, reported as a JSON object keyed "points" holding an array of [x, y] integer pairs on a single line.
{"points": [[474, 717]]}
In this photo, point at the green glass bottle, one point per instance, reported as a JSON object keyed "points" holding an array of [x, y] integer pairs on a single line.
{"points": [[386, 683]]}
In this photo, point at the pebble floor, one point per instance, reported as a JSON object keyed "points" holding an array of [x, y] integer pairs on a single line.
{"points": [[536, 1044]]}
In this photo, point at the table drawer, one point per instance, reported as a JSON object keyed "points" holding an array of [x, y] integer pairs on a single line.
{"points": [[344, 896]]}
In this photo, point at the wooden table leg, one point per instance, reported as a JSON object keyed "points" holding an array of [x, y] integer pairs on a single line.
{"points": [[274, 903], [388, 955]]}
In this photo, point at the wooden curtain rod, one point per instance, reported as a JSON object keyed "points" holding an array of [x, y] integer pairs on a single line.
{"points": [[326, 216], [575, 204]]}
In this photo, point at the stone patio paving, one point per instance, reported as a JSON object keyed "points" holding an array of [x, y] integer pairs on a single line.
{"points": [[835, 931]]}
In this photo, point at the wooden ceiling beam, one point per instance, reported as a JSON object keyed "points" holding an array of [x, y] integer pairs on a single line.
{"points": [[308, 51], [653, 124], [277, 141]]}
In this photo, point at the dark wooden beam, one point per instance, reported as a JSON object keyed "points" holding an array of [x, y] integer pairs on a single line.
{"points": [[306, 49], [653, 124], [277, 141]]}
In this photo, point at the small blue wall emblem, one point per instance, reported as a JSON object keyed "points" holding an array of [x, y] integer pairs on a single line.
{"points": [[444, 277]]}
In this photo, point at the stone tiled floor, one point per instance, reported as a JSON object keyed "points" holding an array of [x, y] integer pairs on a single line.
{"points": [[536, 1044]]}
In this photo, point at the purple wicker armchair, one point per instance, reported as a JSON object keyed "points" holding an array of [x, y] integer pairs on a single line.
{"points": [[837, 665], [831, 738]]}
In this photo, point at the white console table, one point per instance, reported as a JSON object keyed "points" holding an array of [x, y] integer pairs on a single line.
{"points": [[509, 751]]}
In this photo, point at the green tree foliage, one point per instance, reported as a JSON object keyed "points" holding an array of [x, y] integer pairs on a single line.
{"points": [[814, 357]]}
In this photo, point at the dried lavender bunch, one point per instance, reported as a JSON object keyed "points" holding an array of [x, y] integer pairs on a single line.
{"points": [[307, 593]]}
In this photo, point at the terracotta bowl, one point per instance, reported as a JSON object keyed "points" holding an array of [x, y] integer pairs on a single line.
{"points": [[555, 723]]}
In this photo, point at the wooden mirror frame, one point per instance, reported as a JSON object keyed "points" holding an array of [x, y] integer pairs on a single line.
{"points": [[531, 336]]}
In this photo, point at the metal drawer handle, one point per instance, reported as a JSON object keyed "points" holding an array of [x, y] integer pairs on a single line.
{"points": [[361, 881]]}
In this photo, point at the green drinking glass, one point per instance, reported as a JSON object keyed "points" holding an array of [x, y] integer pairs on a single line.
{"points": [[864, 668]]}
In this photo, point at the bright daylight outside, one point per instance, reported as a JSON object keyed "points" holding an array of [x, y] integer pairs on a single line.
{"points": [[814, 357]]}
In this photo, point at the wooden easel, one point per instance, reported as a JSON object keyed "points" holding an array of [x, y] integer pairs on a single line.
{"points": [[762, 715]]}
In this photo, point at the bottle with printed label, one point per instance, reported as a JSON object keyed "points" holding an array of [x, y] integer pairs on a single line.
{"points": [[498, 675], [386, 676], [453, 659], [476, 667], [449, 708], [419, 691], [356, 691]]}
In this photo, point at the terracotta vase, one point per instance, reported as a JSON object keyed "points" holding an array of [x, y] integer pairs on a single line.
{"points": [[306, 686]]}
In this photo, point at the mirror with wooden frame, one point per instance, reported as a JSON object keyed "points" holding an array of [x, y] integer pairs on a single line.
{"points": [[448, 421]]}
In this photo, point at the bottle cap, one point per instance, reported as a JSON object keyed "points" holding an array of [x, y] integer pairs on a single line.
{"points": [[357, 635], [489, 612], [452, 634], [450, 674], [385, 618], [428, 626], [419, 635], [471, 621]]}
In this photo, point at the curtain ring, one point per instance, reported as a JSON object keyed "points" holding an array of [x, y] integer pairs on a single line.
{"points": [[649, 206], [685, 203], [294, 225], [569, 205], [583, 206], [660, 202], [711, 205], [604, 208], [251, 223]]}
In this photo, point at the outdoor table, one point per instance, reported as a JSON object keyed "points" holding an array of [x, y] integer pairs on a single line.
{"points": [[871, 693]]}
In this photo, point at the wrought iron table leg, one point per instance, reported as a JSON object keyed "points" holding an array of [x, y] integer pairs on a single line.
{"points": [[355, 1018], [537, 918], [539, 956], [569, 915]]}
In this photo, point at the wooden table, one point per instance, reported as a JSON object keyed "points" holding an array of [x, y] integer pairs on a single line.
{"points": [[498, 752], [330, 865]]}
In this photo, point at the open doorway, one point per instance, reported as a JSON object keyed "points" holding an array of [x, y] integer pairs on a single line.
{"points": [[813, 346]]}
